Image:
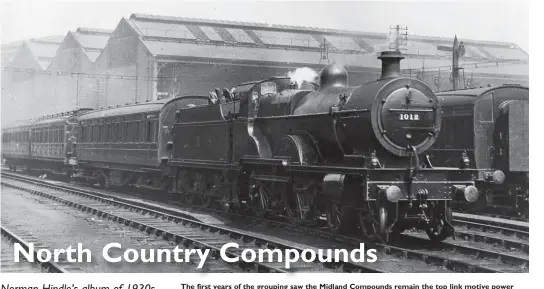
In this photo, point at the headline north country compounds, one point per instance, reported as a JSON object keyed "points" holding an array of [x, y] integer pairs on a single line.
{"points": [[183, 255]]}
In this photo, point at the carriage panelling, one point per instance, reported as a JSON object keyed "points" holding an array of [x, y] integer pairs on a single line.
{"points": [[124, 136], [48, 138], [15, 142]]}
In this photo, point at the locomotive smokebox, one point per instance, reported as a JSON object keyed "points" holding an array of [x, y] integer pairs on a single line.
{"points": [[390, 64], [333, 75]]}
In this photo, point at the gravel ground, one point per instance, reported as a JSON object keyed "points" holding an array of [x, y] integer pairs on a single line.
{"points": [[59, 226], [8, 265]]}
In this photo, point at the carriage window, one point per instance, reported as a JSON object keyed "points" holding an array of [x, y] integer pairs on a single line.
{"points": [[88, 136], [115, 130], [485, 108], [127, 132], [104, 132], [152, 131], [109, 137], [121, 134], [136, 136], [95, 133]]}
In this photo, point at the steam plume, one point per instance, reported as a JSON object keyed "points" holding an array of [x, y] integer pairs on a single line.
{"points": [[303, 74]]}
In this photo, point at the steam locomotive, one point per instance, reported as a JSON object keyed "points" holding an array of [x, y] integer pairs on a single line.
{"points": [[357, 157]]}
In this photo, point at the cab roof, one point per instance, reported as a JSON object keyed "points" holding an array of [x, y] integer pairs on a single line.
{"points": [[464, 97]]}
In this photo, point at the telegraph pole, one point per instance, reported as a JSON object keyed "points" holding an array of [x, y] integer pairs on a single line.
{"points": [[458, 50], [399, 37], [324, 51]]}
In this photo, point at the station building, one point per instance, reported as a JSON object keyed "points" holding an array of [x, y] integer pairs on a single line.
{"points": [[149, 57]]}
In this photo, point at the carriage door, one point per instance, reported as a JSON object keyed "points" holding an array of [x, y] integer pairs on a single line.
{"points": [[483, 131]]}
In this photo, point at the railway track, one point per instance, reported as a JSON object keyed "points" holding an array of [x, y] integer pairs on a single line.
{"points": [[12, 236], [497, 253], [454, 257], [493, 211], [183, 231]]}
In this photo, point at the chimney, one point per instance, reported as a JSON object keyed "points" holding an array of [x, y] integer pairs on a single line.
{"points": [[390, 64]]}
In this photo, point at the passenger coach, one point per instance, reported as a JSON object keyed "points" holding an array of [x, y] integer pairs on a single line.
{"points": [[491, 126]]}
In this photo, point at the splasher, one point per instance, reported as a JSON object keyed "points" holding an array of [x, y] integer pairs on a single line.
{"points": [[302, 75]]}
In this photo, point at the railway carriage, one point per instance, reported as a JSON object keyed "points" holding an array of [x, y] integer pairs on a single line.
{"points": [[46, 145], [490, 125], [118, 146], [16, 143]]}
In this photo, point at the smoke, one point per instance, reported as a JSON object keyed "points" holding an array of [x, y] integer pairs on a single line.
{"points": [[303, 74]]}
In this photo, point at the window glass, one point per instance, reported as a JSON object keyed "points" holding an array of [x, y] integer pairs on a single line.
{"points": [[485, 108], [137, 131]]}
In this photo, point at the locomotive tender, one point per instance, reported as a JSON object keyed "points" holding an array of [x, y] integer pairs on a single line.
{"points": [[490, 124], [357, 155]]}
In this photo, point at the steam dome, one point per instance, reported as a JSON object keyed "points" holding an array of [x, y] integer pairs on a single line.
{"points": [[333, 75]]}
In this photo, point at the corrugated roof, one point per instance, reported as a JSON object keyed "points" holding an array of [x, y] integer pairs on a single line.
{"points": [[175, 49], [86, 30], [147, 17], [43, 49], [165, 30], [310, 37], [90, 41], [208, 22], [257, 54]]}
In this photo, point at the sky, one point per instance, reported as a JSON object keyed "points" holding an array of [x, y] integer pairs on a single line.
{"points": [[506, 21]]}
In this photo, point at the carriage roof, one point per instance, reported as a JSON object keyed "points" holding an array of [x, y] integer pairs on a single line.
{"points": [[470, 96], [17, 124], [144, 107]]}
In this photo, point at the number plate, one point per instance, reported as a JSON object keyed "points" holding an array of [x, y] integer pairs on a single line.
{"points": [[409, 116]]}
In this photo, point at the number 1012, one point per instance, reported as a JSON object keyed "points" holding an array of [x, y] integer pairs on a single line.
{"points": [[408, 116]]}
